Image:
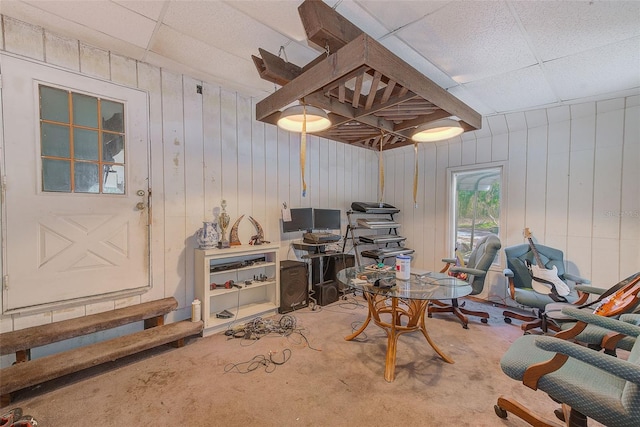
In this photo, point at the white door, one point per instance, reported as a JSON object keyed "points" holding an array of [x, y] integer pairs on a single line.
{"points": [[62, 246]]}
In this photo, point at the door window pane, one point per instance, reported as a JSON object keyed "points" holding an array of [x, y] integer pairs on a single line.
{"points": [[112, 147], [56, 175], [113, 179], [55, 140], [85, 110], [92, 150], [112, 116], [54, 104], [86, 178], [85, 144], [476, 207]]}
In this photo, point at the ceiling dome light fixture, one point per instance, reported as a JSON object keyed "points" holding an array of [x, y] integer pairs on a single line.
{"points": [[292, 119], [437, 131]]}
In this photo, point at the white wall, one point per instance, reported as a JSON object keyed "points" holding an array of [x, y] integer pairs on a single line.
{"points": [[572, 173], [204, 148], [573, 178]]}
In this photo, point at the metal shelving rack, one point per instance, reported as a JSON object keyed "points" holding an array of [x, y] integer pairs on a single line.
{"points": [[377, 221]]}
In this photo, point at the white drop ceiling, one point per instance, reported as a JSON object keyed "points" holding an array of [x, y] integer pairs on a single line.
{"points": [[496, 56]]}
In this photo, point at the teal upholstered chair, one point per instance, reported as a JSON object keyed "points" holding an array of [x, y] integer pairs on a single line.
{"points": [[521, 290], [588, 383], [476, 268]]}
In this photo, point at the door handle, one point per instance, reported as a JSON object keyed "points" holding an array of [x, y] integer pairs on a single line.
{"points": [[141, 205]]}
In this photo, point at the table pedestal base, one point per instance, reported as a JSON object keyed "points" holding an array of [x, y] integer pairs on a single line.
{"points": [[413, 310]]}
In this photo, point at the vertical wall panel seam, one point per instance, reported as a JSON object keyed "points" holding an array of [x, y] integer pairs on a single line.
{"points": [[546, 173], [593, 182], [204, 160], [624, 142], [185, 219], [164, 181]]}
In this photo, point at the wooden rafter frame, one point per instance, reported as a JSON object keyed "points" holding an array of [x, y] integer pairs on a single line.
{"points": [[371, 94]]}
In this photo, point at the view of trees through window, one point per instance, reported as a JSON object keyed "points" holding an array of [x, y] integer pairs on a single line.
{"points": [[477, 206]]}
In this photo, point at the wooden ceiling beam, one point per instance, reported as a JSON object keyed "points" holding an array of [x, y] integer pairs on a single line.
{"points": [[335, 65], [349, 54], [274, 69], [373, 90], [325, 27]]}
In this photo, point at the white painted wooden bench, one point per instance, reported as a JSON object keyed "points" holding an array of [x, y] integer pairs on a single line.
{"points": [[27, 372]]}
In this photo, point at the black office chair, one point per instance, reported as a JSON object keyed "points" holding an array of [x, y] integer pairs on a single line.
{"points": [[476, 269]]}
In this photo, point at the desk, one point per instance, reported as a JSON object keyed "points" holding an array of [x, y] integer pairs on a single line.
{"points": [[405, 299]]}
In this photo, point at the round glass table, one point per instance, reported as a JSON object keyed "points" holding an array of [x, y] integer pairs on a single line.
{"points": [[399, 306]]}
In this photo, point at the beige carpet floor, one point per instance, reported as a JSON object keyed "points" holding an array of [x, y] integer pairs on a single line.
{"points": [[314, 378]]}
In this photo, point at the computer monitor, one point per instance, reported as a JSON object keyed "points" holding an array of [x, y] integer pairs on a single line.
{"points": [[301, 220], [326, 219]]}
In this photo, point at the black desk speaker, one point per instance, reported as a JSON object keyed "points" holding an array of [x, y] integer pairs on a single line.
{"points": [[294, 288], [326, 292]]}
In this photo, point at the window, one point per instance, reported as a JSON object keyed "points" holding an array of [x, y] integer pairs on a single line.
{"points": [[476, 206], [82, 143]]}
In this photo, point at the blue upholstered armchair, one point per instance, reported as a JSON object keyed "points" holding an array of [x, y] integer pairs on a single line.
{"points": [[521, 290], [589, 384]]}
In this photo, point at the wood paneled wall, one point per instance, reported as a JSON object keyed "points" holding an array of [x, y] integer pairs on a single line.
{"points": [[572, 171], [204, 148], [572, 177]]}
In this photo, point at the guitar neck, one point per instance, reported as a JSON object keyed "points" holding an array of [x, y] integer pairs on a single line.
{"points": [[535, 253]]}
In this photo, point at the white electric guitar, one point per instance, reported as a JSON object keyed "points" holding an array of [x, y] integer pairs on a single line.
{"points": [[543, 275]]}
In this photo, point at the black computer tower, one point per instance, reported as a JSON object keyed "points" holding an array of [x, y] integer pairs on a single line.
{"points": [[338, 262], [294, 286]]}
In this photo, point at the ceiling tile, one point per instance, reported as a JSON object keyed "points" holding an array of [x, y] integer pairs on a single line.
{"points": [[470, 98], [404, 52], [105, 17], [279, 15], [209, 22], [150, 9], [402, 13], [207, 59], [561, 28], [515, 90], [359, 17], [58, 25], [611, 68], [470, 40]]}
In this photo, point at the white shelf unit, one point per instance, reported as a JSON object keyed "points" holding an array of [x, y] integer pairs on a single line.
{"points": [[240, 264]]}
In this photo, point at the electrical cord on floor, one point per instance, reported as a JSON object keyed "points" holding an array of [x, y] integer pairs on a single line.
{"points": [[269, 363], [258, 328]]}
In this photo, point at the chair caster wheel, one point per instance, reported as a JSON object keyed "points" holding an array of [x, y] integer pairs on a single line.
{"points": [[500, 412], [507, 320], [483, 320]]}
